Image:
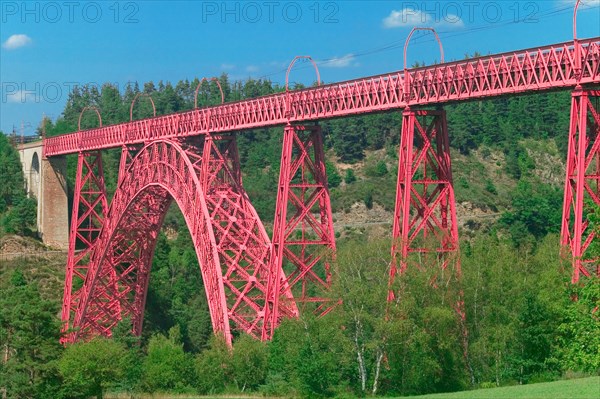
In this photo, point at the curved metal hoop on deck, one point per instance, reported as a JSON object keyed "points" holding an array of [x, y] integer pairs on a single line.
{"points": [[200, 84], [95, 109], [135, 99], [298, 57], [406, 76], [576, 43], [437, 38], [575, 20]]}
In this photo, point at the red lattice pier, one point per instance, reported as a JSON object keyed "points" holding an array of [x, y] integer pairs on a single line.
{"points": [[253, 281]]}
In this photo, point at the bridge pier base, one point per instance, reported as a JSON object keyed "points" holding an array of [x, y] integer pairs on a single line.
{"points": [[425, 230], [90, 207], [582, 184], [53, 208], [425, 212], [46, 181], [303, 241]]}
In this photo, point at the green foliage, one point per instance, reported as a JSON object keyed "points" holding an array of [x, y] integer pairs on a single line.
{"points": [[249, 363], [518, 161], [376, 169], [333, 177], [502, 122], [167, 368], [348, 138], [489, 186], [91, 368], [12, 187], [21, 218], [579, 348], [536, 210], [349, 177], [214, 367], [424, 335], [312, 355], [361, 283], [522, 327], [369, 199], [17, 212], [514, 304], [382, 191], [123, 335], [29, 334], [176, 294]]}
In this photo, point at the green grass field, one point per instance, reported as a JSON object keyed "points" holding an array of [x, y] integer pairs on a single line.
{"points": [[582, 388]]}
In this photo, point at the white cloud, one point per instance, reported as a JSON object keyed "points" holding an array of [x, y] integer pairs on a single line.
{"points": [[252, 68], [20, 96], [16, 41], [589, 3], [583, 4], [227, 67], [408, 17], [340, 62]]}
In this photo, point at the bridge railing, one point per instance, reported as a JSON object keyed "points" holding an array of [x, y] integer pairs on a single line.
{"points": [[543, 68]]}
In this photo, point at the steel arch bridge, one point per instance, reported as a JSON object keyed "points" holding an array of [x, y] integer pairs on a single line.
{"points": [[252, 280]]}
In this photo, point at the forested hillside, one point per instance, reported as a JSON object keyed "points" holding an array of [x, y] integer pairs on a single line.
{"points": [[17, 212], [522, 323]]}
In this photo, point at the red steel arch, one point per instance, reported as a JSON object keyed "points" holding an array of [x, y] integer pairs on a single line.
{"points": [[159, 172], [237, 260]]}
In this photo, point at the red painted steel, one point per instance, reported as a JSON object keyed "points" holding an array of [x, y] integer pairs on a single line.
{"points": [[230, 241], [425, 213], [242, 242], [552, 67], [291, 66], [160, 171], [95, 109], [437, 39], [582, 184], [303, 238], [89, 210], [90, 206], [425, 229], [252, 283]]}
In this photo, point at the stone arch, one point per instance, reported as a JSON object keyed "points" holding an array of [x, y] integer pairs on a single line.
{"points": [[33, 178]]}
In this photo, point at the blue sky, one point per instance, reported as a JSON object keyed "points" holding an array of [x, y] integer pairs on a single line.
{"points": [[50, 46]]}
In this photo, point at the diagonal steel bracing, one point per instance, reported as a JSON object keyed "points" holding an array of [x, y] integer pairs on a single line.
{"points": [[252, 283], [233, 249], [425, 213], [89, 209], [242, 242], [303, 237], [582, 184], [561, 65]]}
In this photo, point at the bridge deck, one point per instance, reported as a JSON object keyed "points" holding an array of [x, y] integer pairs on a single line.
{"points": [[561, 65]]}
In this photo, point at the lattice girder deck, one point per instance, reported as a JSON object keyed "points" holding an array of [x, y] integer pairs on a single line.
{"points": [[561, 65]]}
